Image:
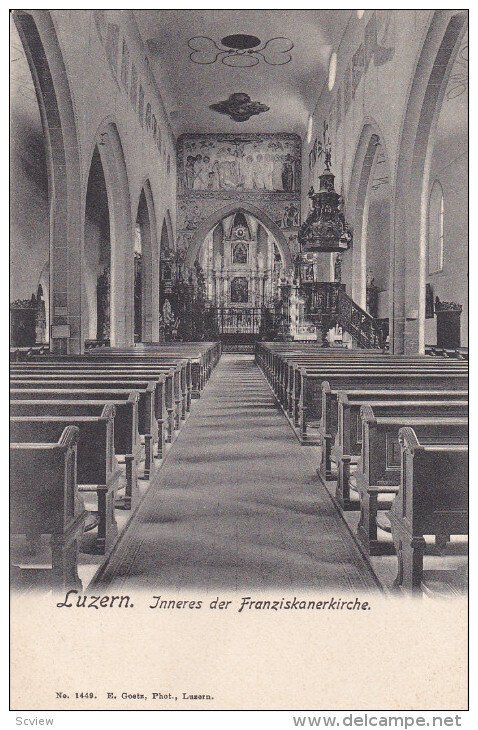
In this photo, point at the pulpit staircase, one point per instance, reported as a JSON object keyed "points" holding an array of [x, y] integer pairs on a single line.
{"points": [[327, 304]]}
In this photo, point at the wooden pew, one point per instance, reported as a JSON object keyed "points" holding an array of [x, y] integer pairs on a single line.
{"points": [[127, 444], [97, 469], [85, 389], [281, 365], [432, 499], [378, 470], [358, 396], [404, 378], [175, 393], [201, 359], [44, 500], [101, 376], [202, 355], [199, 364], [385, 363], [288, 376], [275, 360], [347, 447], [172, 373]]}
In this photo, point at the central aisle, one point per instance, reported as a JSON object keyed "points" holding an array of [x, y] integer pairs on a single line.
{"points": [[237, 504]]}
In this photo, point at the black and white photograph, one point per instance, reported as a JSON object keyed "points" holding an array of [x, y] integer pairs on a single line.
{"points": [[239, 359]]}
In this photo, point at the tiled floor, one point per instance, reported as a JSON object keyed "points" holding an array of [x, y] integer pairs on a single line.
{"points": [[237, 503]]}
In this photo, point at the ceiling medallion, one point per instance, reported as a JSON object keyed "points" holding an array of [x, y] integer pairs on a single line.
{"points": [[239, 107], [240, 50]]}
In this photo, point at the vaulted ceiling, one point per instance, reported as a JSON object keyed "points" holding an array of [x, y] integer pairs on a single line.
{"points": [[197, 64]]}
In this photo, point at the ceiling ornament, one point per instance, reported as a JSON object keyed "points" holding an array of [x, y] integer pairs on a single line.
{"points": [[239, 107], [458, 82], [240, 51]]}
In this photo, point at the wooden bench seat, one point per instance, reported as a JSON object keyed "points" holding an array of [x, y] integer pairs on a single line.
{"points": [[288, 383], [44, 500], [347, 448], [432, 499], [279, 365], [308, 410], [378, 469], [202, 359], [174, 394], [352, 399], [146, 420], [102, 377], [291, 389], [177, 388], [204, 355], [150, 408], [97, 468], [127, 443]]}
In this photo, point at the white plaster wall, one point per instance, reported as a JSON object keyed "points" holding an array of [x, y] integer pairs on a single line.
{"points": [[381, 100], [449, 166]]}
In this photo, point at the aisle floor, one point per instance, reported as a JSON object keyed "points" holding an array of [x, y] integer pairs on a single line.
{"points": [[237, 504]]}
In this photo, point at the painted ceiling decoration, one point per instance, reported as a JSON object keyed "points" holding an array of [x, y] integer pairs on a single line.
{"points": [[278, 58], [240, 50], [458, 82], [239, 107]]}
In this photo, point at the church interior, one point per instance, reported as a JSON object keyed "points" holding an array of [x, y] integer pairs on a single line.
{"points": [[239, 300]]}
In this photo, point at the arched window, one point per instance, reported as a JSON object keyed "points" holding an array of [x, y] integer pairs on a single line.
{"points": [[436, 212]]}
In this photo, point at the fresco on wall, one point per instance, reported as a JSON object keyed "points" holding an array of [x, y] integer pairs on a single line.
{"points": [[265, 162], [380, 38], [291, 217], [215, 170]]}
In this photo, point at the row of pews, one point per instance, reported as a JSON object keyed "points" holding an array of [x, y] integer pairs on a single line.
{"points": [[392, 434], [84, 429], [459, 353]]}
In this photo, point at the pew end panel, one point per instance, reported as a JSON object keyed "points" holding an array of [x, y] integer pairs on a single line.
{"points": [[44, 500], [432, 500], [344, 455], [379, 468], [327, 432], [97, 469], [196, 379], [310, 409]]}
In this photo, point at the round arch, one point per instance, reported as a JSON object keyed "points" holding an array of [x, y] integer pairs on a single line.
{"points": [[370, 141], [410, 210], [108, 142], [43, 52], [209, 223]]}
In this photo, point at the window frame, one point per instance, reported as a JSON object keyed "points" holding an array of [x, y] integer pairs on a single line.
{"points": [[436, 225]]}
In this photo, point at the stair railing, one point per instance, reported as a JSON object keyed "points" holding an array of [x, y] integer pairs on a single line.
{"points": [[367, 331]]}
